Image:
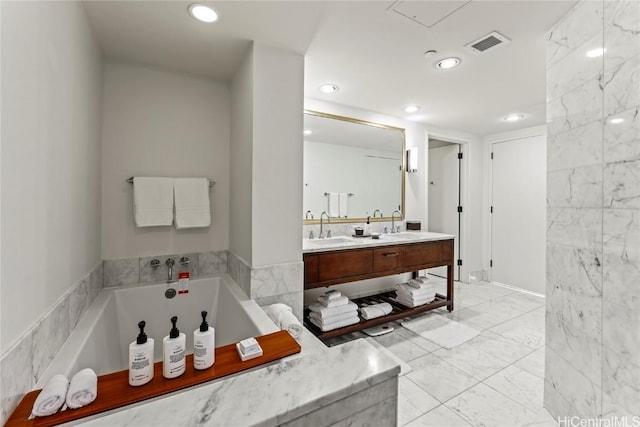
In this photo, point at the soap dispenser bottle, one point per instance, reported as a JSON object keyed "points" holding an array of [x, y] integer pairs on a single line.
{"points": [[203, 345], [141, 358], [173, 362], [367, 227]]}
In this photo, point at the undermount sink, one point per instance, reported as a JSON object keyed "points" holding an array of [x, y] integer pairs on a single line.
{"points": [[405, 235], [328, 241]]}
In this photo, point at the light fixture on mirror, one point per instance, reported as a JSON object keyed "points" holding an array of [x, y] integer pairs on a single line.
{"points": [[412, 159]]}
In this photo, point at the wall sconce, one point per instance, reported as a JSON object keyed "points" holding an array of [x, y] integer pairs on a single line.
{"points": [[412, 159]]}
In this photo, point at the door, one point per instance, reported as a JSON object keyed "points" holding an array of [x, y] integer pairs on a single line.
{"points": [[444, 196], [518, 218]]}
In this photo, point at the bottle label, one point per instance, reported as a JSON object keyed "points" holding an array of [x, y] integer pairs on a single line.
{"points": [[199, 351], [183, 282], [139, 364]]}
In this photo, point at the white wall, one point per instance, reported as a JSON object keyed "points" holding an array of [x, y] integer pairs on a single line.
{"points": [[51, 109], [160, 123]]}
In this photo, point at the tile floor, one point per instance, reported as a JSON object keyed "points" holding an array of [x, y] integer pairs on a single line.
{"points": [[494, 379]]}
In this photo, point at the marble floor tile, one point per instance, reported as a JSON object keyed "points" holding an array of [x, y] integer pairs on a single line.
{"points": [[422, 342], [533, 363], [498, 346], [542, 418], [398, 343], [413, 401], [519, 385], [472, 361], [485, 315], [439, 417], [439, 378], [527, 329], [521, 301], [484, 407]]}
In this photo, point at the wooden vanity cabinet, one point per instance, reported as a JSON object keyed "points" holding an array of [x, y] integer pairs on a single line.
{"points": [[332, 267]]}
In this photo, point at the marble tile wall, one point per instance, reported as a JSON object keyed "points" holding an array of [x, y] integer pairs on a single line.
{"points": [[23, 364], [593, 212]]}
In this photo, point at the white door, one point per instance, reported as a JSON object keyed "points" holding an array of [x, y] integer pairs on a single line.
{"points": [[444, 191], [518, 221]]}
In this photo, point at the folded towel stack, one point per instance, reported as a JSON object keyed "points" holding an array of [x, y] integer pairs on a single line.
{"points": [[417, 292], [375, 310], [333, 310], [282, 316], [52, 397]]}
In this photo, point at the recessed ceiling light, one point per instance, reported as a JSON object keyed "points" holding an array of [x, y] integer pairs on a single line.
{"points": [[307, 132], [616, 120], [411, 108], [594, 53], [203, 13], [514, 117], [446, 63], [328, 88]]}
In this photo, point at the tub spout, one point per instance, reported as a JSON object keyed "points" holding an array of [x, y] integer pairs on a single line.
{"points": [[170, 262]]}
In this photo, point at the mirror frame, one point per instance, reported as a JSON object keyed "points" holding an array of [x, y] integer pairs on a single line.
{"points": [[404, 168]]}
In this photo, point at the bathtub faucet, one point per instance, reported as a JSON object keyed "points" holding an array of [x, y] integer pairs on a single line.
{"points": [[170, 263]]}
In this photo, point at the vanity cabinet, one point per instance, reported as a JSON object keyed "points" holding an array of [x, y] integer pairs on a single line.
{"points": [[332, 267]]}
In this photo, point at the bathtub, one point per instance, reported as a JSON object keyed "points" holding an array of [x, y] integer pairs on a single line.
{"points": [[101, 339]]}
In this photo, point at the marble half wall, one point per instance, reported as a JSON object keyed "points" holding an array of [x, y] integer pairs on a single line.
{"points": [[22, 365]]}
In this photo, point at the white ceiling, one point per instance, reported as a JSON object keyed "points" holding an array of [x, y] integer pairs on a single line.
{"points": [[373, 53]]}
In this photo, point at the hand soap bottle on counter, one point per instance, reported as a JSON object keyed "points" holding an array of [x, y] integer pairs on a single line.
{"points": [[173, 361], [141, 358], [203, 345]]}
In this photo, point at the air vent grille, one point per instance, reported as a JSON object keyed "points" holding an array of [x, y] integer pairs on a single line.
{"points": [[488, 42]]}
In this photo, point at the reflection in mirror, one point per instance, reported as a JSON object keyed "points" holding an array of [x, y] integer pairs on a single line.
{"points": [[352, 168]]}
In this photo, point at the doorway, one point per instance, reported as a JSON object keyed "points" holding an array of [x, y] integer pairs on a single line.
{"points": [[518, 213], [444, 204]]}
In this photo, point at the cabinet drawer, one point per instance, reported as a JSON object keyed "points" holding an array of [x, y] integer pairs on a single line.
{"points": [[388, 258], [310, 268], [423, 253], [344, 264], [447, 250]]}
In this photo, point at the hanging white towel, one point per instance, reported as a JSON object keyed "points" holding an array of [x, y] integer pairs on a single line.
{"points": [[51, 398], [83, 389], [342, 205], [192, 202], [334, 205], [152, 201]]}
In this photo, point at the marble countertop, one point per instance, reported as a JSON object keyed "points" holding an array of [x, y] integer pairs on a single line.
{"points": [[347, 242], [298, 384]]}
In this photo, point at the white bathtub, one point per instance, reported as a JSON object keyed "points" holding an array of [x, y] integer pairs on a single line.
{"points": [[101, 339]]}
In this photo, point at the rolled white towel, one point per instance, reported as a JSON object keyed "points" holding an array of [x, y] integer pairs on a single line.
{"points": [[83, 389], [334, 302], [275, 311], [331, 319], [282, 316], [333, 311], [375, 310], [52, 396]]}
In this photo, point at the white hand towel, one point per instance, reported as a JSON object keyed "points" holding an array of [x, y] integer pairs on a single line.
{"points": [[342, 205], [413, 292], [192, 202], [409, 297], [334, 205], [375, 310], [83, 389], [331, 319], [152, 201], [333, 311], [335, 302], [414, 303], [336, 325], [282, 316], [52, 396], [332, 295]]}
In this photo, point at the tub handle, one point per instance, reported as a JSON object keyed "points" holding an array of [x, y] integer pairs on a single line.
{"points": [[184, 261], [155, 263]]}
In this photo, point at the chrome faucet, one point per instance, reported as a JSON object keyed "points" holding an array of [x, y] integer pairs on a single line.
{"points": [[170, 262], [377, 210], [393, 222], [321, 235], [306, 216]]}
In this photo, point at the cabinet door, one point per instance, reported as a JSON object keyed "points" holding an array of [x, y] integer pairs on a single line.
{"points": [[388, 258], [423, 253], [310, 268], [334, 265]]}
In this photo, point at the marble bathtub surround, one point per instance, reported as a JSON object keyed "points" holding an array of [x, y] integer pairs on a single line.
{"points": [[24, 363], [593, 213], [240, 271], [131, 271]]}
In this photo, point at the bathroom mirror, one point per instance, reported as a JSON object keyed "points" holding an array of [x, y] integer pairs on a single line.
{"points": [[351, 168]]}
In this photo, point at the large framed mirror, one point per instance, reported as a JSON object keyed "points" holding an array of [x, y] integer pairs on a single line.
{"points": [[353, 169]]}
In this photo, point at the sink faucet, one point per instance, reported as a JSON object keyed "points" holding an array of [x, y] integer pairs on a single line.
{"points": [[170, 263], [308, 214], [393, 222], [321, 235], [377, 210]]}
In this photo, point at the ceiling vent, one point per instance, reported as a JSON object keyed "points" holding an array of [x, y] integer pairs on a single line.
{"points": [[489, 42]]}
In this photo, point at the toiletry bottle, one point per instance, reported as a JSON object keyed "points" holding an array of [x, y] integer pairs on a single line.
{"points": [[204, 345], [367, 227], [173, 362], [141, 358]]}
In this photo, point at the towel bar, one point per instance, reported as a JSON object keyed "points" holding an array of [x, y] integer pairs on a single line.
{"points": [[211, 183], [348, 194]]}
